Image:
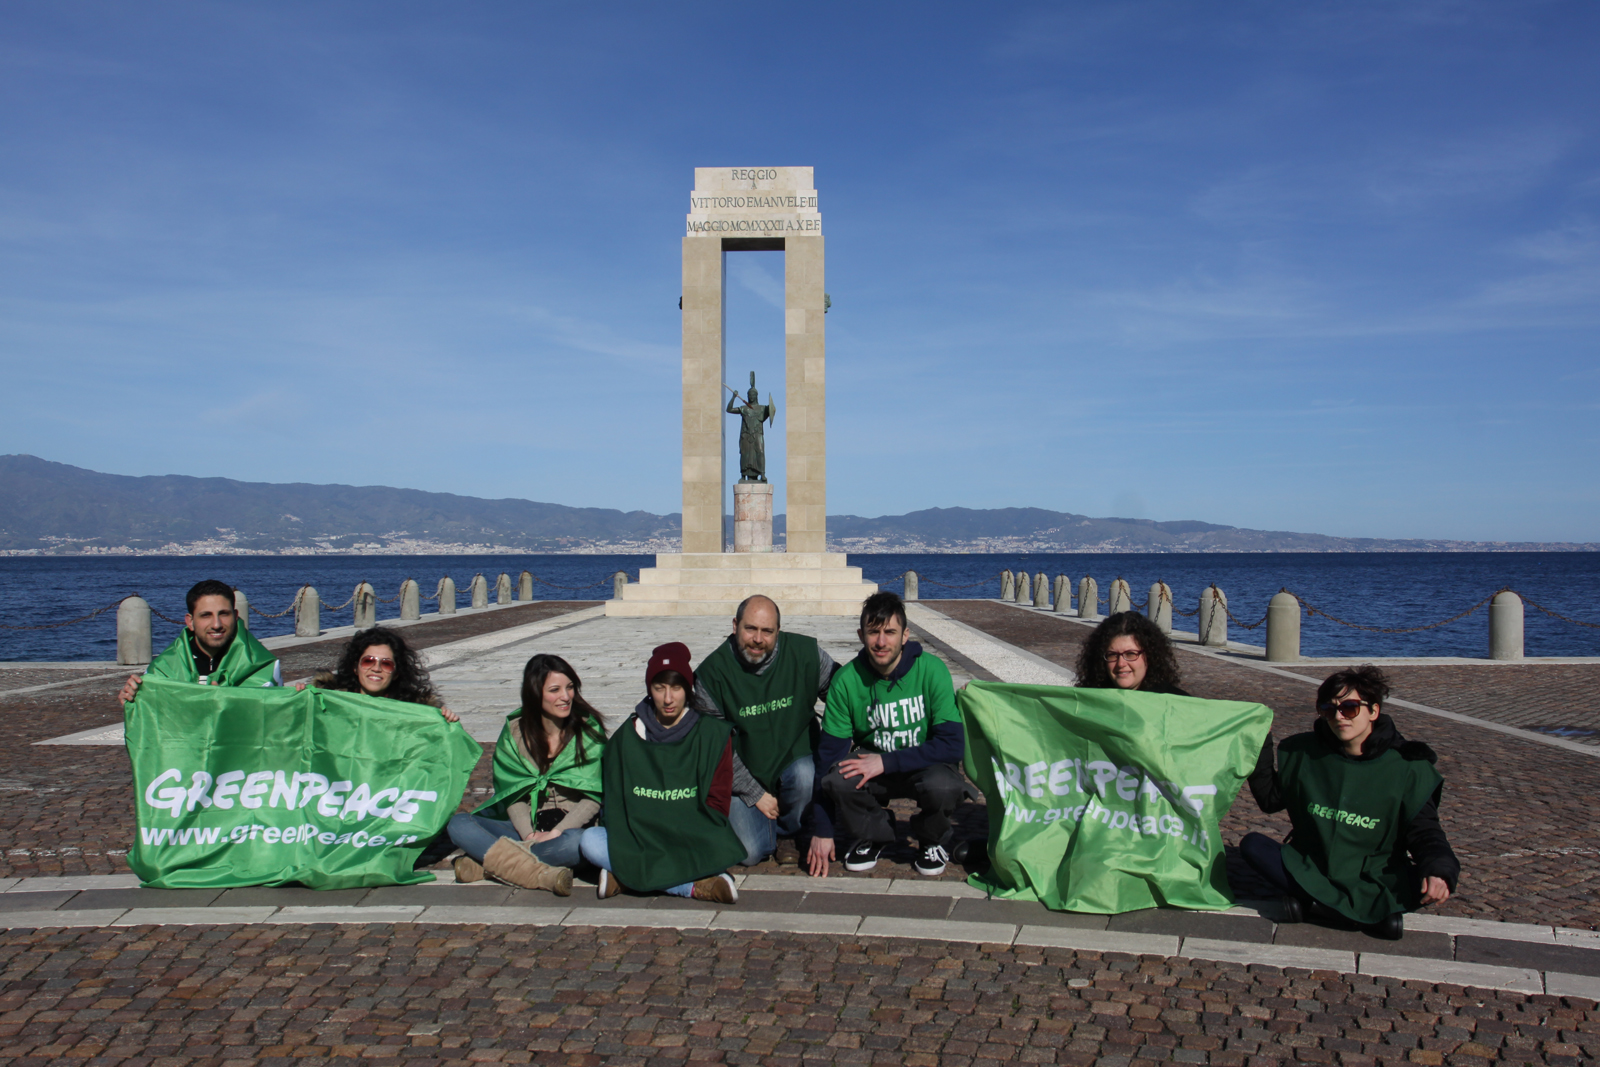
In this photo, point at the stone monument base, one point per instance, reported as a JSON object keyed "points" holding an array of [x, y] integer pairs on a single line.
{"points": [[752, 517], [713, 583]]}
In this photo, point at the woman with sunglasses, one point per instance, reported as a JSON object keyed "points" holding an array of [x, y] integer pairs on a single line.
{"points": [[379, 663], [1366, 844], [546, 786], [1128, 651]]}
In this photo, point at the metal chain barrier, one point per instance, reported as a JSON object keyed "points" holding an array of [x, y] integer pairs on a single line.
{"points": [[1252, 626], [1310, 610], [969, 585], [1555, 614], [167, 618], [69, 622], [293, 606], [574, 588]]}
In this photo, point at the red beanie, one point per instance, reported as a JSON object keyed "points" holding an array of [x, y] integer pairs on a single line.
{"points": [[669, 657]]}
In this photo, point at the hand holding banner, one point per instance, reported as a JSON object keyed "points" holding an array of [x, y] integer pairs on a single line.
{"points": [[240, 787], [1106, 801]]}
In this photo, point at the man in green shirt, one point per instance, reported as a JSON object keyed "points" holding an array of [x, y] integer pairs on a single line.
{"points": [[767, 684], [890, 729], [212, 649]]}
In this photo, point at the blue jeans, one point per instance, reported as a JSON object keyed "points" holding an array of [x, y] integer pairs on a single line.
{"points": [[476, 834], [759, 834], [1266, 856], [596, 849]]}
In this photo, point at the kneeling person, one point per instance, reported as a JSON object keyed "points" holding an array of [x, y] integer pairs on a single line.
{"points": [[1361, 797], [890, 729], [767, 683], [212, 649], [668, 782]]}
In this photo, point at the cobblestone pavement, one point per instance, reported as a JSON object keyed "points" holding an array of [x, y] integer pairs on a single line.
{"points": [[394, 994], [1519, 814]]}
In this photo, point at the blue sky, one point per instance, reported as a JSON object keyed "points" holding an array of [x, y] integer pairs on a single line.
{"points": [[1332, 268]]}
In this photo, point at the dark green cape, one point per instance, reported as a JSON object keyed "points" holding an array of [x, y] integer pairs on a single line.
{"points": [[772, 713]]}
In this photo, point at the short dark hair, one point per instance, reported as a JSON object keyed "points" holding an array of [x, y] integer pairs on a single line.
{"points": [[738, 615], [209, 587], [410, 682], [879, 608], [1367, 680], [1160, 661]]}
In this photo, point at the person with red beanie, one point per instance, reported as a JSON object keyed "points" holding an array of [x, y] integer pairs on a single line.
{"points": [[668, 778]]}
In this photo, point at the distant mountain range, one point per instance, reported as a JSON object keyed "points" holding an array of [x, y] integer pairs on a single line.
{"points": [[53, 508]]}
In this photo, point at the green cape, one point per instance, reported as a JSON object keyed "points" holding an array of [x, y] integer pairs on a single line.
{"points": [[246, 663], [515, 777], [659, 826]]}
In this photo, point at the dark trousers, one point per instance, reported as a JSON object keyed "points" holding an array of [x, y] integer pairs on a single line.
{"points": [[861, 815]]}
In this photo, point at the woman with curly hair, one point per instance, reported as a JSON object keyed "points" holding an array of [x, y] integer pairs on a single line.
{"points": [[1128, 651], [546, 786], [379, 663]]}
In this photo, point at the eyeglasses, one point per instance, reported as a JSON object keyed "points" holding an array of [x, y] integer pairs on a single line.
{"points": [[382, 664], [1112, 657], [1347, 708]]}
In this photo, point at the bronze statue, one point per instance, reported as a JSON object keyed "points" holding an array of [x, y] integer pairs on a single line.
{"points": [[752, 436]]}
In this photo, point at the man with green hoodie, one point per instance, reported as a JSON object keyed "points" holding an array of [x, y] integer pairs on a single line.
{"points": [[890, 729], [212, 649]]}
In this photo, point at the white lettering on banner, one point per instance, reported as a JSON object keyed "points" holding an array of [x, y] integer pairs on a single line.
{"points": [[1130, 783], [286, 789], [164, 836]]}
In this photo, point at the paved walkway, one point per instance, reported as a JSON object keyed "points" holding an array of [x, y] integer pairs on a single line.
{"points": [[888, 968]]}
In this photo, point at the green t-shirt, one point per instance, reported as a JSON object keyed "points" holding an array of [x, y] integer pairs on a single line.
{"points": [[886, 715]]}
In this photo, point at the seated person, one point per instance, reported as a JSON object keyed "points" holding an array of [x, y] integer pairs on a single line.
{"points": [[212, 649], [1361, 798], [1128, 651], [890, 729], [669, 782], [546, 786], [379, 663]]}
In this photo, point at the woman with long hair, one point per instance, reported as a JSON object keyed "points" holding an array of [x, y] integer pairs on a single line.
{"points": [[379, 663], [1128, 651], [546, 786]]}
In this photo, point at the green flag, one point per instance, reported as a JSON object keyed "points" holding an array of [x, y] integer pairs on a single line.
{"points": [[1107, 801], [269, 786]]}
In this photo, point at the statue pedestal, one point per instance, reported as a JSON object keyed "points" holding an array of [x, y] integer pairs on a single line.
{"points": [[752, 517], [713, 583]]}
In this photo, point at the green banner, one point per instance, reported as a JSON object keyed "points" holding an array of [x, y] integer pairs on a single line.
{"points": [[1107, 801], [270, 786]]}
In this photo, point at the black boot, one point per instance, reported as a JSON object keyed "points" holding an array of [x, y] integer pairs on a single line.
{"points": [[1289, 911], [1390, 929]]}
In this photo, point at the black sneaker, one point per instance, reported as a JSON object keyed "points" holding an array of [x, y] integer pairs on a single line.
{"points": [[931, 860], [863, 857]]}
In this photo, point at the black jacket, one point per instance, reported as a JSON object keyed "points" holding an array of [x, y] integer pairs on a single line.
{"points": [[1425, 839]]}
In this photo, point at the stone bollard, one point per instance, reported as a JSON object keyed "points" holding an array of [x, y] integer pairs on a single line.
{"points": [[1008, 589], [308, 613], [1213, 617], [241, 608], [1062, 593], [1505, 626], [911, 585], [1159, 610], [1283, 628], [1041, 591], [502, 589], [410, 601], [1024, 588], [525, 587], [1120, 597], [133, 631], [619, 582], [1088, 599], [480, 591], [364, 606], [447, 596]]}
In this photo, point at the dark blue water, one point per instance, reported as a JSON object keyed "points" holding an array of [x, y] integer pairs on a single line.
{"points": [[1374, 589]]}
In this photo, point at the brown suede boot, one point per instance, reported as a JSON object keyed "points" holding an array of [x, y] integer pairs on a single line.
{"points": [[510, 862], [718, 889], [467, 870]]}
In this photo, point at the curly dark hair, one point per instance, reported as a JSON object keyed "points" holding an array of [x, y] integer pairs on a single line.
{"points": [[410, 682], [1161, 665], [583, 721], [1369, 681]]}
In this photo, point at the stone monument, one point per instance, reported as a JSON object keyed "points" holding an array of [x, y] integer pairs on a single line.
{"points": [[751, 209]]}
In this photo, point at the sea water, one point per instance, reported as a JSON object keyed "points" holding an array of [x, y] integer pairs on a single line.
{"points": [[1383, 590]]}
